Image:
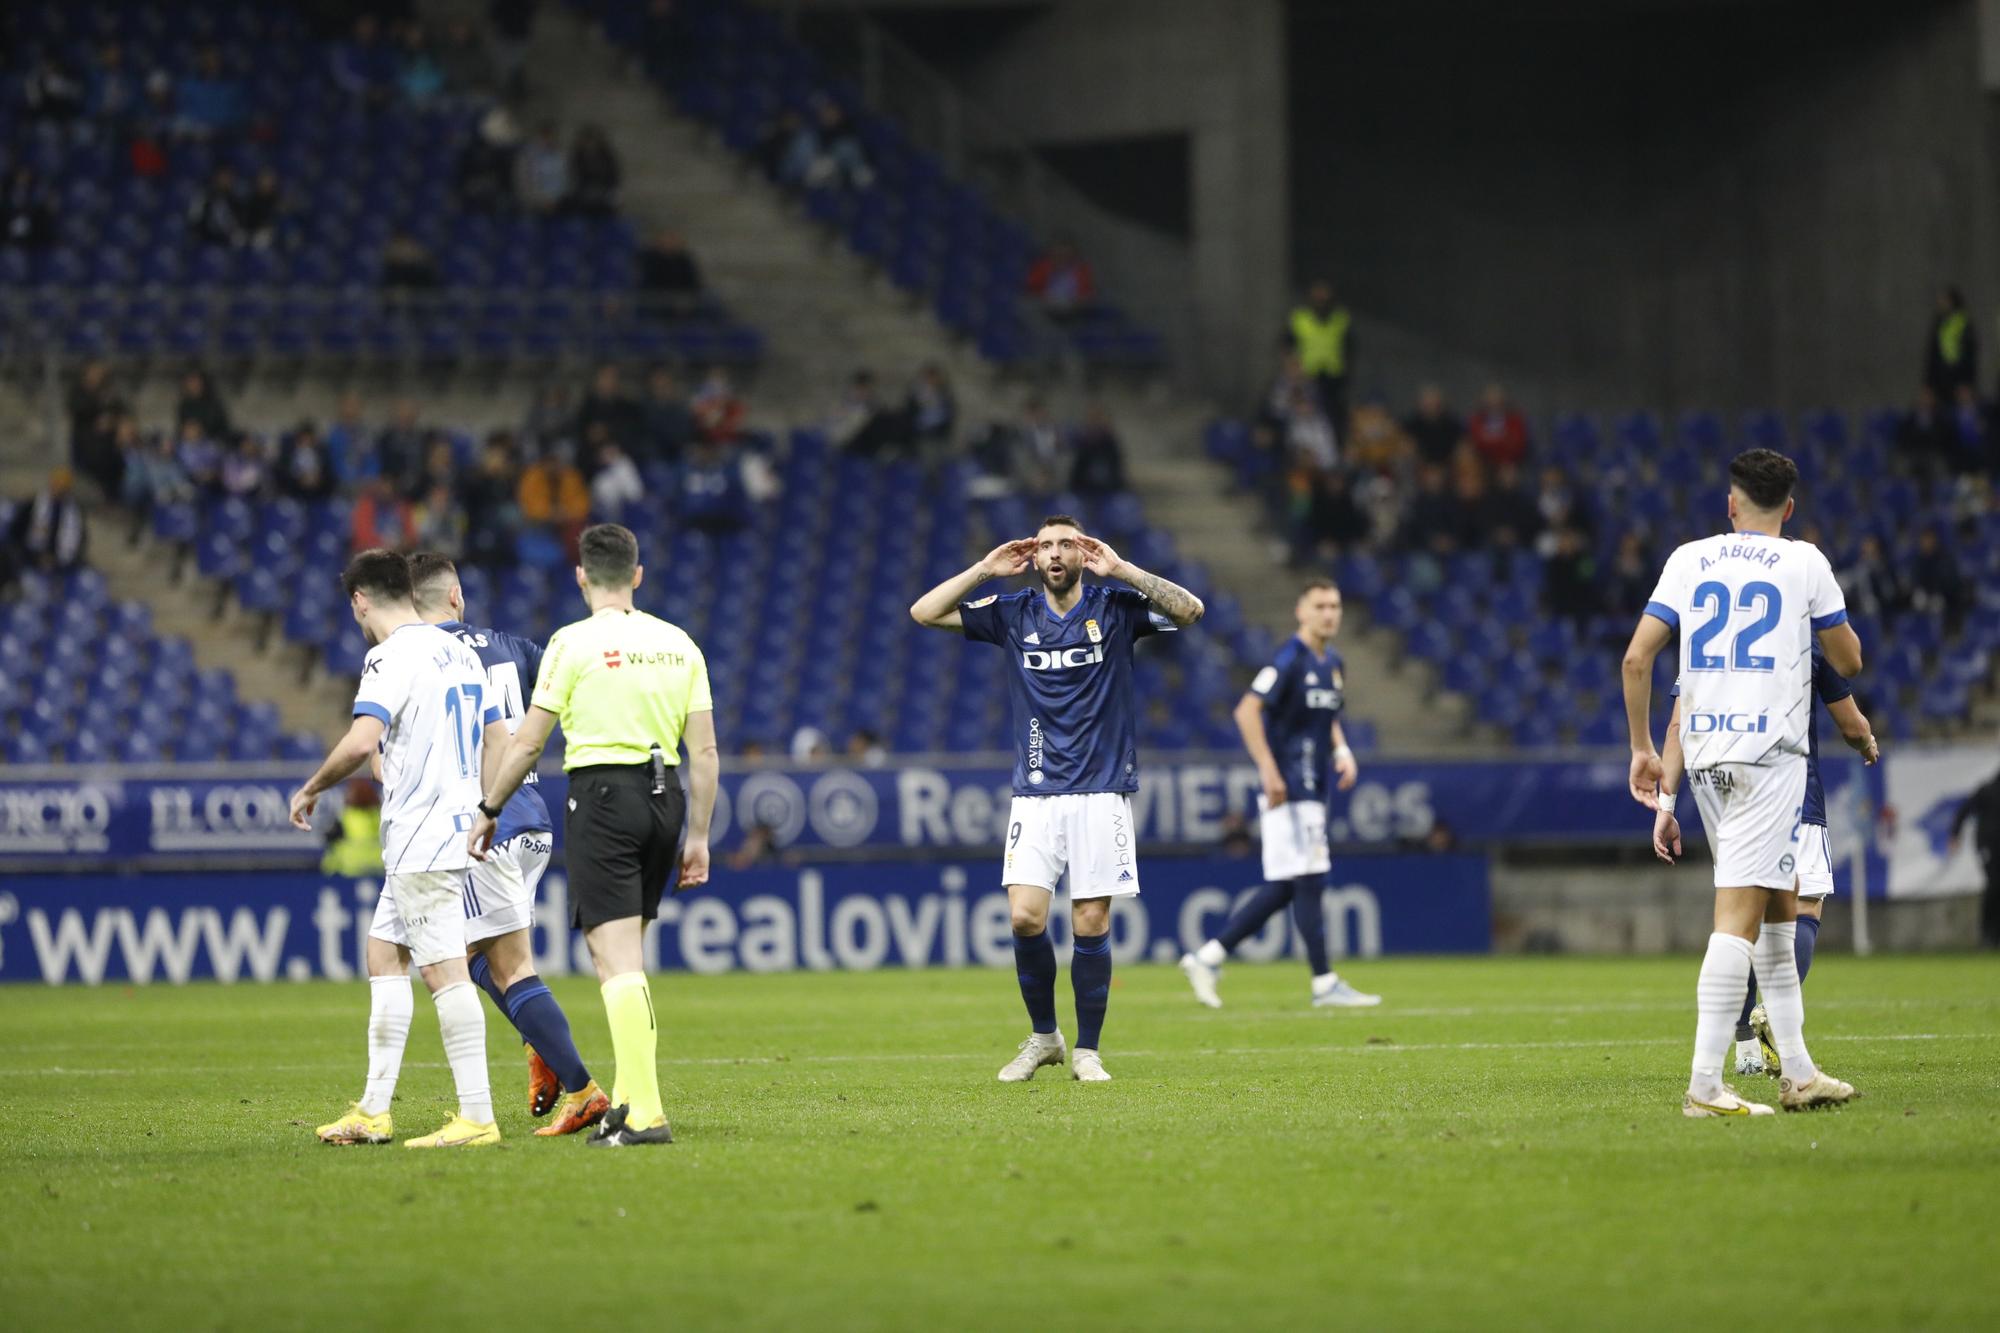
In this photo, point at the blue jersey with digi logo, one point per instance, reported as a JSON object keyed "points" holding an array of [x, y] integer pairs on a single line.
{"points": [[1829, 687], [1070, 681], [1303, 695], [511, 663]]}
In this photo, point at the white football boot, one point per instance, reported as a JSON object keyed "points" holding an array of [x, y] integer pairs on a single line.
{"points": [[1085, 1067], [1726, 1103], [1823, 1089], [1337, 994], [1203, 978], [1038, 1050]]}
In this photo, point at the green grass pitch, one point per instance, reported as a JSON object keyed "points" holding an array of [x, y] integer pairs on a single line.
{"points": [[1499, 1146]]}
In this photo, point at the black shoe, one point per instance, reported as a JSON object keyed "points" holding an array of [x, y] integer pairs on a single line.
{"points": [[613, 1132]]}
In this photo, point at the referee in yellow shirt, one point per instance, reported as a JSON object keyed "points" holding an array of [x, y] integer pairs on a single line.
{"points": [[628, 688]]}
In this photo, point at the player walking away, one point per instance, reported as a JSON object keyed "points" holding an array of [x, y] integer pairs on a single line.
{"points": [[1756, 1045], [1290, 720], [1748, 605], [423, 702], [1982, 811], [500, 891], [1076, 762], [627, 688]]}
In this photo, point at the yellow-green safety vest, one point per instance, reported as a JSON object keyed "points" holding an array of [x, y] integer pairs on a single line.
{"points": [[1321, 343], [358, 849]]}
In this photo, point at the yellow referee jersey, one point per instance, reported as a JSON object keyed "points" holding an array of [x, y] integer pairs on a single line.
{"points": [[622, 682]]}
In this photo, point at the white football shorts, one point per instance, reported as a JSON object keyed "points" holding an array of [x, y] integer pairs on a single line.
{"points": [[1294, 839], [1091, 834], [1751, 812], [1815, 862], [496, 896]]}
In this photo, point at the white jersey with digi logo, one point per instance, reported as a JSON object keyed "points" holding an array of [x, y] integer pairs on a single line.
{"points": [[1747, 607], [429, 692]]}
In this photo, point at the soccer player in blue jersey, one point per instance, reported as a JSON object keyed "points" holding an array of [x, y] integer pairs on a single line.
{"points": [[1756, 1044], [500, 891], [1069, 655], [1290, 720]]}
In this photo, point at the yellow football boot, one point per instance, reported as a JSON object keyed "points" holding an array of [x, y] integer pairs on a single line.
{"points": [[458, 1133], [357, 1126]]}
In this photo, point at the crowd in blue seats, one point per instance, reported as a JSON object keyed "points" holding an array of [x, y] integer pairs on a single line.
{"points": [[215, 179], [1521, 595], [735, 68]]}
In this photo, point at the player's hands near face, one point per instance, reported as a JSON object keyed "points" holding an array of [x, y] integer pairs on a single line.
{"points": [[1098, 558], [1666, 836], [1346, 771], [481, 837], [1009, 558], [1647, 770], [694, 863], [303, 804], [1274, 789]]}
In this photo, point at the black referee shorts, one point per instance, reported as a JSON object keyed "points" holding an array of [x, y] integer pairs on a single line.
{"points": [[621, 842]]}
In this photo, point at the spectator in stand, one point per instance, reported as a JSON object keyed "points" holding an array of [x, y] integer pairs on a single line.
{"points": [[1324, 518], [1434, 428], [490, 498], [1040, 453], [439, 470], [95, 409], [784, 149], [382, 518], [1561, 507], [485, 171], [1971, 433], [713, 495], [1062, 281], [1291, 381], [408, 268], [1497, 429], [1951, 352], [1872, 584], [152, 127], [669, 278], [246, 469], [154, 476], [1376, 442], [1634, 574], [349, 450], [111, 94], [49, 532], [51, 94], [513, 24], [553, 499], [541, 172], [263, 210], [594, 174], [438, 520], [1936, 584], [1321, 334], [551, 418], [214, 215], [1097, 460], [1512, 519], [1926, 437], [200, 403], [419, 76], [1430, 523], [607, 405], [617, 483], [363, 66], [306, 473], [26, 217], [200, 456], [1470, 504], [465, 62], [210, 101], [863, 424], [931, 408], [400, 448], [839, 160], [1570, 578], [668, 424], [1310, 432], [718, 412]]}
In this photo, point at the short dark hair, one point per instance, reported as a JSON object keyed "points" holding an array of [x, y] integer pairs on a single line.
{"points": [[1060, 521], [1765, 476], [609, 553], [383, 574], [427, 570], [1317, 583]]}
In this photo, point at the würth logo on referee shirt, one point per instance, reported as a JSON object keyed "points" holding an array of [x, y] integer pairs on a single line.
{"points": [[612, 659]]}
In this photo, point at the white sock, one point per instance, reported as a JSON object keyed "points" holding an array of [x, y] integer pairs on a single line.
{"points": [[1784, 1002], [1718, 999], [389, 1006], [463, 1023], [1211, 954], [1325, 982]]}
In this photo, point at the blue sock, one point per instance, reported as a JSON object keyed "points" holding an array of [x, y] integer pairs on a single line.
{"points": [[1309, 915], [1250, 918], [1090, 977], [1743, 1032], [1808, 939], [543, 1025], [482, 977], [1035, 965]]}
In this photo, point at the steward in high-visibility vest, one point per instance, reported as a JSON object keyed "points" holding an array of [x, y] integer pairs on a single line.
{"points": [[1320, 334], [355, 848]]}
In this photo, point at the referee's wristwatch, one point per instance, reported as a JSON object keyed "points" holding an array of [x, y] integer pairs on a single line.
{"points": [[487, 810]]}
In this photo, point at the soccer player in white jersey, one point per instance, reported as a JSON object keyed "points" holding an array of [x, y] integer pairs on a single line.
{"points": [[1749, 605], [423, 701]]}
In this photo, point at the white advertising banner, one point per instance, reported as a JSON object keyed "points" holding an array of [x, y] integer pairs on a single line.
{"points": [[1926, 787]]}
